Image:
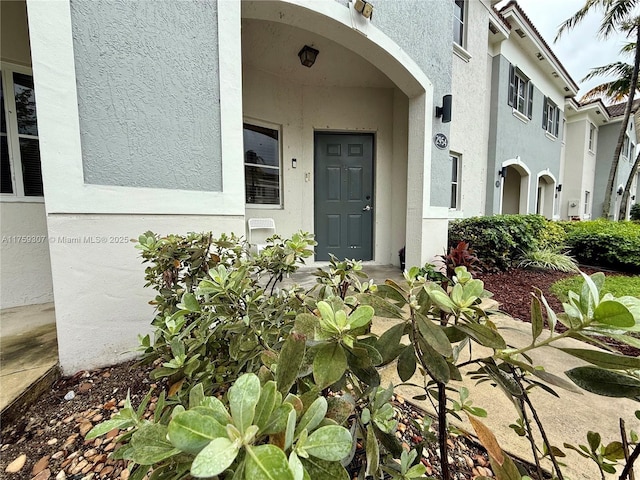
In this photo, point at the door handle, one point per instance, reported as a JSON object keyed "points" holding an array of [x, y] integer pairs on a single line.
{"points": [[367, 208]]}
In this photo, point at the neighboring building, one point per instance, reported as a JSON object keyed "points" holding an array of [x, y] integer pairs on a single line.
{"points": [[608, 138], [578, 187], [142, 112]]}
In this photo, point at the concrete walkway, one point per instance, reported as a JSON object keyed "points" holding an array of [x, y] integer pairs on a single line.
{"points": [[28, 351]]}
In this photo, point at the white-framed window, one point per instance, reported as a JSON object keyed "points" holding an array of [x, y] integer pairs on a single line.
{"points": [[20, 173], [628, 148], [456, 164], [587, 199], [520, 92], [592, 137], [459, 18], [261, 164], [550, 117]]}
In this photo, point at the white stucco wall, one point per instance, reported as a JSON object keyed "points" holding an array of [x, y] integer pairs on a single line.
{"points": [[101, 302], [579, 167], [470, 122], [300, 111], [24, 255]]}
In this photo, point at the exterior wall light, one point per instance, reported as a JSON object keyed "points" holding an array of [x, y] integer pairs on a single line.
{"points": [[502, 172], [559, 188], [620, 189], [445, 110], [308, 56], [364, 7]]}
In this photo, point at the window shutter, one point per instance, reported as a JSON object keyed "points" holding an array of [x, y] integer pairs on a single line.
{"points": [[530, 109], [512, 86], [545, 113], [556, 127]]}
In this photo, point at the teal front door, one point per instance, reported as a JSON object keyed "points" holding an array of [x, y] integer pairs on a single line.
{"points": [[344, 195]]}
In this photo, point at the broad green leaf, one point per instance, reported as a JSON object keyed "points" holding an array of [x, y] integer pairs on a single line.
{"points": [[267, 462], [456, 294], [331, 442], [326, 311], [605, 382], [473, 290], [374, 357], [216, 409], [215, 458], [191, 432], [324, 470], [340, 408], [388, 345], [266, 404], [196, 396], [507, 471], [483, 335], [105, 427], [296, 466], [289, 362], [594, 440], [392, 291], [441, 299], [150, 444], [278, 421], [610, 312], [406, 363], [361, 316], [614, 451], [329, 364], [382, 307], [313, 416], [243, 398], [610, 361], [536, 319], [189, 302], [435, 363], [555, 380], [289, 433], [434, 335], [306, 324], [372, 452], [551, 315]]}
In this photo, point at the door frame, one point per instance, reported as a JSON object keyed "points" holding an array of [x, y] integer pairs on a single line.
{"points": [[374, 189]]}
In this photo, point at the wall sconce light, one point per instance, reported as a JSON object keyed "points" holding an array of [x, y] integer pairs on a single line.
{"points": [[308, 56], [633, 197], [502, 172], [620, 190], [364, 7], [559, 188], [445, 110]]}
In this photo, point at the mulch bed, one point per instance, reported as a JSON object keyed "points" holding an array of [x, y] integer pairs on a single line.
{"points": [[49, 437]]}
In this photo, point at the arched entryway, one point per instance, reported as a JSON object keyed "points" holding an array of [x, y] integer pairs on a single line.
{"points": [[545, 194], [514, 196]]}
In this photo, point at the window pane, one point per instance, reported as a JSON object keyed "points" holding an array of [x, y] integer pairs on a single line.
{"points": [[3, 120], [262, 185], [5, 173], [454, 196], [454, 169], [31, 172], [261, 145], [25, 104]]}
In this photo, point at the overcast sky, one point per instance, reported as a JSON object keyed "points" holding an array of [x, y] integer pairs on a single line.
{"points": [[579, 49]]}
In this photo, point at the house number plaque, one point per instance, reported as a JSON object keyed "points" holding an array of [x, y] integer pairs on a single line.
{"points": [[441, 141]]}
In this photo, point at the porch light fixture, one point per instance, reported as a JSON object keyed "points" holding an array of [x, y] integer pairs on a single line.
{"points": [[445, 110], [308, 56], [364, 7], [502, 172], [620, 189], [559, 188]]}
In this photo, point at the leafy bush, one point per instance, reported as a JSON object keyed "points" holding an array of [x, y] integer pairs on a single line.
{"points": [[548, 259], [616, 285], [634, 214], [552, 236], [606, 244], [498, 240]]}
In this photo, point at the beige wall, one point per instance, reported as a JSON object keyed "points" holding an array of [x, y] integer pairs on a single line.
{"points": [[302, 110], [14, 33]]}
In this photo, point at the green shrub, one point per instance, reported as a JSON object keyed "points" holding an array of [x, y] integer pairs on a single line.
{"points": [[552, 236], [606, 244], [635, 212], [498, 240], [548, 259]]}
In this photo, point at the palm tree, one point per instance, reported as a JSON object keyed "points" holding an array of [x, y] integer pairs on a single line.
{"points": [[618, 15], [616, 91]]}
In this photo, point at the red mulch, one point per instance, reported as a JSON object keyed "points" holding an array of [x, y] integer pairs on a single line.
{"points": [[513, 289]]}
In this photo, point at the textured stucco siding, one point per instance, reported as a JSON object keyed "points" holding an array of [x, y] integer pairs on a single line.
{"points": [[411, 24], [148, 93], [510, 137]]}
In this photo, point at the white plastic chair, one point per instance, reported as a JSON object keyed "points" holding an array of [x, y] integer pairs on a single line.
{"points": [[261, 224]]}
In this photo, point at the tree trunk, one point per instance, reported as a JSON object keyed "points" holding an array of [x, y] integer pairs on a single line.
{"points": [[627, 188], [606, 206]]}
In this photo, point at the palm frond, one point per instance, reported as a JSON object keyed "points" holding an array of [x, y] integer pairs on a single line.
{"points": [[580, 15], [617, 69], [617, 13], [628, 48]]}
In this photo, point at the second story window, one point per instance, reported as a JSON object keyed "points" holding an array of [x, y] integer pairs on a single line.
{"points": [[261, 165], [592, 137], [520, 92], [550, 117], [458, 22]]}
